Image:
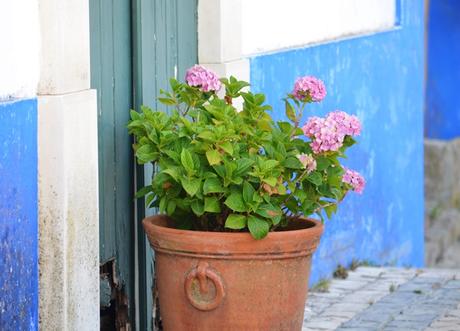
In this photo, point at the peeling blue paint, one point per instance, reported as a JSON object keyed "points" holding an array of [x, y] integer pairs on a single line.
{"points": [[442, 114], [18, 216], [379, 77]]}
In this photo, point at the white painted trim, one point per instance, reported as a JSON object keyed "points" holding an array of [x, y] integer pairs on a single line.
{"points": [[67, 171], [271, 25], [19, 35], [68, 212], [230, 30], [64, 60], [219, 30]]}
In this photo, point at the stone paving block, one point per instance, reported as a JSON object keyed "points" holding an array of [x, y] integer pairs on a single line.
{"points": [[348, 285], [365, 296], [356, 329], [417, 317], [349, 307], [323, 323], [371, 325], [376, 317], [339, 313], [406, 325], [369, 272], [453, 284]]}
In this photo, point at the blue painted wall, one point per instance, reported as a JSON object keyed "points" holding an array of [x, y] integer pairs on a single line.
{"points": [[379, 78], [442, 114], [18, 216]]}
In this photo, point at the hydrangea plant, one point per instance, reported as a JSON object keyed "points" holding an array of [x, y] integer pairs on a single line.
{"points": [[220, 168]]}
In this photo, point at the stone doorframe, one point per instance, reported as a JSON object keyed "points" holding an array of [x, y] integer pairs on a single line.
{"points": [[67, 171]]}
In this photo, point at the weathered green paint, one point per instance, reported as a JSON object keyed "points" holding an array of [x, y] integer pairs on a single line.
{"points": [[165, 45], [111, 75], [136, 46]]}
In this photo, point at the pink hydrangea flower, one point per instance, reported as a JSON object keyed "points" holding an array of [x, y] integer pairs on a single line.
{"points": [[327, 134], [309, 86], [308, 162], [348, 124], [203, 78], [354, 179], [324, 134]]}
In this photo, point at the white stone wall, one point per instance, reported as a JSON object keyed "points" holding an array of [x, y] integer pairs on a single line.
{"points": [[231, 31], [19, 55], [67, 170], [271, 25]]}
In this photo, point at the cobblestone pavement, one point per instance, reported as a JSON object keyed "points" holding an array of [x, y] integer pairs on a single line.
{"points": [[389, 299]]}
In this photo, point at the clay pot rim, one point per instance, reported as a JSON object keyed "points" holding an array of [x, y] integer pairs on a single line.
{"points": [[232, 245], [158, 222]]}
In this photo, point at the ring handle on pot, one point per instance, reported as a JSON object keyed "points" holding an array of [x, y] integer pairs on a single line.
{"points": [[202, 272]]}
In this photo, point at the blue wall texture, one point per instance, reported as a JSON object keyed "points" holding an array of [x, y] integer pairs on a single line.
{"points": [[442, 114], [380, 78], [18, 216]]}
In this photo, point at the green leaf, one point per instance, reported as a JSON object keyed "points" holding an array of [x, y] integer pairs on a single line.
{"points": [[143, 191], [167, 101], [258, 227], [206, 135], [162, 205], [191, 186], [248, 192], [292, 163], [243, 165], [134, 115], [270, 181], [315, 178], [149, 200], [269, 165], [235, 221], [213, 157], [212, 185], [173, 172], [290, 113], [227, 147], [211, 204], [235, 202], [187, 160], [171, 207], [322, 163], [330, 210], [286, 127], [271, 212], [197, 207], [348, 141], [146, 153]]}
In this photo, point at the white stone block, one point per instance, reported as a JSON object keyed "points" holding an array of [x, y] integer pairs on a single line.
{"points": [[19, 55], [219, 30], [239, 69], [65, 52], [68, 211]]}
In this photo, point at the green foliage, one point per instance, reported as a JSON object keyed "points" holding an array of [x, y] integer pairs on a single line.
{"points": [[220, 169]]}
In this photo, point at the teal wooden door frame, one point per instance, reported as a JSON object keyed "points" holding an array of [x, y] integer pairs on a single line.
{"points": [[164, 46], [136, 46], [111, 76]]}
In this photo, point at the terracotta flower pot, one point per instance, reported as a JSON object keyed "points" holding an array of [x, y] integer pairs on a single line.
{"points": [[229, 281]]}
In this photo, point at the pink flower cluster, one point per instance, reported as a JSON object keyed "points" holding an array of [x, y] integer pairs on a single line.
{"points": [[203, 78], [349, 124], [328, 133], [354, 179], [309, 86], [308, 162]]}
